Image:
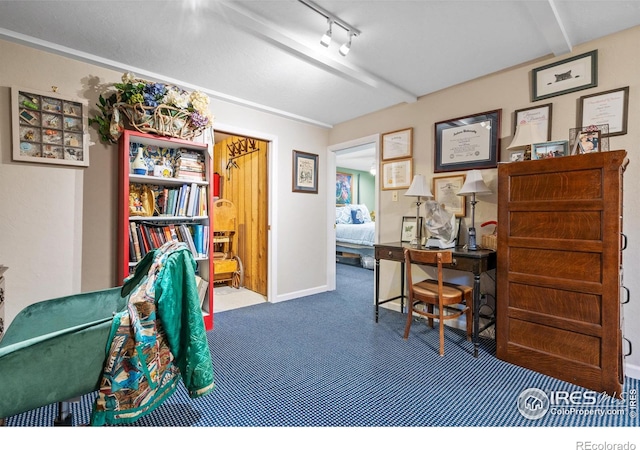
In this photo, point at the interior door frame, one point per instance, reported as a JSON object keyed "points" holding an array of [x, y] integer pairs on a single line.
{"points": [[331, 205], [272, 200]]}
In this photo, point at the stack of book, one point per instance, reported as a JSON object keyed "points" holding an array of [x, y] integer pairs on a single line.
{"points": [[144, 237], [189, 165]]}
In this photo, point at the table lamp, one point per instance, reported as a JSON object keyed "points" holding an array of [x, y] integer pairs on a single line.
{"points": [[527, 134], [419, 188], [474, 184]]}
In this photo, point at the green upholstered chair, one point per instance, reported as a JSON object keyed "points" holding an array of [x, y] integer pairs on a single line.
{"points": [[55, 350]]}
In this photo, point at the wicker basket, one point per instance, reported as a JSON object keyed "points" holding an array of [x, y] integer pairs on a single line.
{"points": [[162, 120]]}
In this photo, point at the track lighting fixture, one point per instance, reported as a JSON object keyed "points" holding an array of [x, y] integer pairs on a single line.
{"points": [[326, 38], [344, 49], [332, 19]]}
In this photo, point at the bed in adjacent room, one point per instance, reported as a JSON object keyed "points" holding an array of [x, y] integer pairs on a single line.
{"points": [[355, 235]]}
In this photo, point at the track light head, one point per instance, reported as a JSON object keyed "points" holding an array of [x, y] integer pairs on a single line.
{"points": [[326, 38], [344, 49]]}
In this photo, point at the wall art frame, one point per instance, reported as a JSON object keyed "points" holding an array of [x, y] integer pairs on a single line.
{"points": [[471, 142], [610, 107], [445, 191], [49, 128], [562, 77], [344, 189], [397, 144], [540, 115], [545, 150], [397, 174], [305, 172]]}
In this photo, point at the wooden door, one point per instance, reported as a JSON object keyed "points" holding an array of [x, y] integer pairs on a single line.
{"points": [[243, 167], [559, 244]]}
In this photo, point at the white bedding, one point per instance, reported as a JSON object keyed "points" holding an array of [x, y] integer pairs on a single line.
{"points": [[361, 234]]}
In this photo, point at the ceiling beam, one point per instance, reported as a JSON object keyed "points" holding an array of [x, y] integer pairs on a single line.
{"points": [[258, 26], [546, 16]]}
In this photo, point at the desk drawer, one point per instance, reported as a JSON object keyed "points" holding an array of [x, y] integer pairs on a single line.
{"points": [[390, 253]]}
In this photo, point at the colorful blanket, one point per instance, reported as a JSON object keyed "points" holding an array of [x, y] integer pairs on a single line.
{"points": [[158, 340]]}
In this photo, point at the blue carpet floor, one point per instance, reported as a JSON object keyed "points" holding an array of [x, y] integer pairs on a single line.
{"points": [[322, 361]]}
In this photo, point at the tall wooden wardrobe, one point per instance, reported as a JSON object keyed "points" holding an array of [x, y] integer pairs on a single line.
{"points": [[560, 248]]}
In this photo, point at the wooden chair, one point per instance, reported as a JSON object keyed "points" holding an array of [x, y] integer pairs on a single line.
{"points": [[227, 266], [436, 293]]}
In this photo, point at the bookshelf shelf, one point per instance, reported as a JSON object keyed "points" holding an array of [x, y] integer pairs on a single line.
{"points": [[166, 219]]}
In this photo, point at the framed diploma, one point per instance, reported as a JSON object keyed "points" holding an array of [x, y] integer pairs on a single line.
{"points": [[471, 142], [397, 144], [538, 115], [397, 174], [445, 192], [609, 107]]}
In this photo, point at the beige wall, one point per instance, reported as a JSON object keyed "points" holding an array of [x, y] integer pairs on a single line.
{"points": [[57, 224], [509, 90]]}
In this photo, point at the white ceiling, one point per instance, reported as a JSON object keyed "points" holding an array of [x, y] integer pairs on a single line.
{"points": [[267, 53]]}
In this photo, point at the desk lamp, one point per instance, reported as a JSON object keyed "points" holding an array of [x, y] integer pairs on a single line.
{"points": [[527, 134], [474, 184], [419, 189]]}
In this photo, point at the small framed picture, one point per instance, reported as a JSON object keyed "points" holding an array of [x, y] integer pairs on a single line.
{"points": [[445, 192], [586, 142], [397, 144], [517, 155], [546, 150], [305, 172], [409, 230]]}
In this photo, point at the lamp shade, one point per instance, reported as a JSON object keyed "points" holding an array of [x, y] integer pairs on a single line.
{"points": [[418, 188], [474, 184], [527, 133]]}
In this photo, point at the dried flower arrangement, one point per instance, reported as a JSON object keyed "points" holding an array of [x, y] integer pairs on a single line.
{"points": [[151, 107]]}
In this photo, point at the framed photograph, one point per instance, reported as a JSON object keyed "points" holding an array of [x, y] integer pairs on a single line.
{"points": [[586, 141], [48, 128], [609, 107], [546, 150], [445, 192], [397, 144], [517, 155], [344, 189], [305, 172], [538, 115], [397, 174], [562, 77], [471, 142], [409, 230]]}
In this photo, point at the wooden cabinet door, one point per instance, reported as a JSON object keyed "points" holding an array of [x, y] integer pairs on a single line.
{"points": [[559, 244]]}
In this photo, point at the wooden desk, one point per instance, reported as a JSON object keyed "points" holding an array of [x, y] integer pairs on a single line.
{"points": [[474, 261]]}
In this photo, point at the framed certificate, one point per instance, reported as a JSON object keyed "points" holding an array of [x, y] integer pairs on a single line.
{"points": [[609, 107], [397, 174], [471, 142], [397, 144]]}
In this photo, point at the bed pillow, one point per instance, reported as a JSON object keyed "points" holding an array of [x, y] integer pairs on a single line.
{"points": [[343, 214], [356, 216], [366, 216]]}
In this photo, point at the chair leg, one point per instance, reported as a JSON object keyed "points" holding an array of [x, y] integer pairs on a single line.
{"points": [[407, 327], [441, 326], [430, 311]]}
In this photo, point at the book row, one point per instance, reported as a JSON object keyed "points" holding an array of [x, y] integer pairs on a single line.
{"points": [[186, 200], [145, 237]]}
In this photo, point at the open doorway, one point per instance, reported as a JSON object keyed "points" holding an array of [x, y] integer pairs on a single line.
{"points": [[354, 186], [241, 165]]}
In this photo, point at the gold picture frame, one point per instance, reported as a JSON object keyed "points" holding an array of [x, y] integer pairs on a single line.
{"points": [[397, 144], [445, 192]]}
